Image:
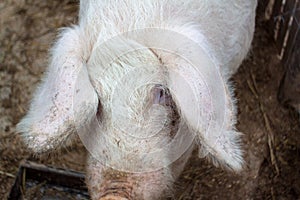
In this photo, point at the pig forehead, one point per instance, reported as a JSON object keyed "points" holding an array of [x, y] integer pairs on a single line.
{"points": [[131, 151], [118, 138]]}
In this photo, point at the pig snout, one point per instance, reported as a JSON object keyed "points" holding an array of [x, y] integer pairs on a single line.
{"points": [[110, 184]]}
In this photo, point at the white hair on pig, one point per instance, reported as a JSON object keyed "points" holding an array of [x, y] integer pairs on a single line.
{"points": [[50, 120], [130, 75]]}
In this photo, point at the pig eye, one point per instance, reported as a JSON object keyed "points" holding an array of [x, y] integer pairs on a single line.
{"points": [[162, 96], [99, 110]]}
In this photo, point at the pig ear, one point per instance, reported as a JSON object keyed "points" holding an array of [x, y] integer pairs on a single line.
{"points": [[207, 108], [50, 120]]}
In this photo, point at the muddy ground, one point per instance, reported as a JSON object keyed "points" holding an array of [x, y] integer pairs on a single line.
{"points": [[271, 132]]}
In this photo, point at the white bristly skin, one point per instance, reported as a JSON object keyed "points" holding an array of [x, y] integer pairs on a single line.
{"points": [[81, 69]]}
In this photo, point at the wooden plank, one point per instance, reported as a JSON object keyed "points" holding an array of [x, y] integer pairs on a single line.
{"points": [[284, 24], [275, 19], [30, 171], [16, 190], [55, 176], [293, 34]]}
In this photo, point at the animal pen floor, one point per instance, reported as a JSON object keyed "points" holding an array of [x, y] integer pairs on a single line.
{"points": [[271, 133]]}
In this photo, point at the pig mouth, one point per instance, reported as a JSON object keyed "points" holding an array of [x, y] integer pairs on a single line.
{"points": [[110, 197], [117, 191], [113, 197]]}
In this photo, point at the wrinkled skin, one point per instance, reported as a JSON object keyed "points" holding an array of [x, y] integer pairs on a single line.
{"points": [[129, 106]]}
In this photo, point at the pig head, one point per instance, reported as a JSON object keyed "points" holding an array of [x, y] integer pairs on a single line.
{"points": [[141, 95]]}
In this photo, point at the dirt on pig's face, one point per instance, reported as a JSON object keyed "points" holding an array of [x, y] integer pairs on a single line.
{"points": [[107, 183]]}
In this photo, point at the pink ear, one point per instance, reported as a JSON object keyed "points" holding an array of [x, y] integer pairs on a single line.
{"points": [[204, 102], [50, 120]]}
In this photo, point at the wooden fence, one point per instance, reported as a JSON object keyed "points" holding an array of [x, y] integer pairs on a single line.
{"points": [[284, 18]]}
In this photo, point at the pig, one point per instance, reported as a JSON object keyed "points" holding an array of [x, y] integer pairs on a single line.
{"points": [[143, 83]]}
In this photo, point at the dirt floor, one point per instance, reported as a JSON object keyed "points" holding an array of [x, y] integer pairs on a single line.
{"points": [[271, 132]]}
